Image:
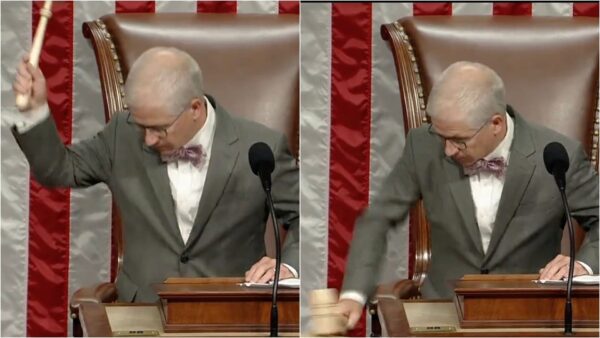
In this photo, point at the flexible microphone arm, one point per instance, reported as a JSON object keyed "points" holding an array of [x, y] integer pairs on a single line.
{"points": [[556, 161], [568, 304], [274, 310], [262, 164]]}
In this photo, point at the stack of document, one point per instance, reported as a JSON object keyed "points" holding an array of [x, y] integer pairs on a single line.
{"points": [[578, 280], [293, 283]]}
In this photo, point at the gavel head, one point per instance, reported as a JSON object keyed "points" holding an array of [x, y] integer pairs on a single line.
{"points": [[325, 318]]}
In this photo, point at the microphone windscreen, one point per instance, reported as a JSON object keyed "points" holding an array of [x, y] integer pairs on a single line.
{"points": [[556, 158], [261, 158]]}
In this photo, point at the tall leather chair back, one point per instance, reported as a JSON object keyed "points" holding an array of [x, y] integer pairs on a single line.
{"points": [[549, 66], [250, 62]]}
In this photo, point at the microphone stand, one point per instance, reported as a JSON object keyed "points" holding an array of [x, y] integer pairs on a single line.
{"points": [[274, 311], [568, 304]]}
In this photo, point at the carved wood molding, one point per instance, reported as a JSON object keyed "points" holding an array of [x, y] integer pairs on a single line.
{"points": [[109, 67], [413, 101], [113, 96], [409, 78], [594, 149]]}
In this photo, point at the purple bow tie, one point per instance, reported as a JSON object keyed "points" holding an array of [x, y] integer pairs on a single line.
{"points": [[193, 154], [496, 166]]}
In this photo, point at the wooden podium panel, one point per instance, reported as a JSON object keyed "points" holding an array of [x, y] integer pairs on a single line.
{"points": [[517, 301], [107, 320], [439, 318], [223, 305]]}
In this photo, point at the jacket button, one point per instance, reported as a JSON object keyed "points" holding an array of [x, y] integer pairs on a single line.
{"points": [[184, 258], [484, 271]]}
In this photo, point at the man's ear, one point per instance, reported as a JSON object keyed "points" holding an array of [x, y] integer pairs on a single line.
{"points": [[498, 121], [198, 108]]}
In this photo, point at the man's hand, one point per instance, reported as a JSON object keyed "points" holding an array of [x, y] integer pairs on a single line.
{"points": [[351, 310], [559, 268], [30, 82], [264, 271]]}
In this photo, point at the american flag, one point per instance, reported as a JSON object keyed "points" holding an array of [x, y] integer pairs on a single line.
{"points": [[351, 124], [55, 241]]}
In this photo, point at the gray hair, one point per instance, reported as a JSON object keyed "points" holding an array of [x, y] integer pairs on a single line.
{"points": [[168, 76], [474, 89]]}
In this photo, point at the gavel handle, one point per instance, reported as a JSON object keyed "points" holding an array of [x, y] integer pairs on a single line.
{"points": [[22, 100]]}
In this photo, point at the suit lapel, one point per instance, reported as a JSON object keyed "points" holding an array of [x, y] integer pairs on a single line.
{"points": [[159, 179], [224, 155], [518, 175], [460, 189]]}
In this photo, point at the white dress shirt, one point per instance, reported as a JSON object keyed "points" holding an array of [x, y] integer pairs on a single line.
{"points": [[187, 181], [486, 188]]}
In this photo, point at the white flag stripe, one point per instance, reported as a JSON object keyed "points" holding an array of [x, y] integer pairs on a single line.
{"points": [[387, 138], [169, 6], [258, 7], [551, 9], [469, 8], [90, 231], [16, 39], [315, 93]]}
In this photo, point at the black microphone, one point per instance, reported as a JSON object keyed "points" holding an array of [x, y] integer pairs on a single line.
{"points": [[262, 164], [556, 160]]}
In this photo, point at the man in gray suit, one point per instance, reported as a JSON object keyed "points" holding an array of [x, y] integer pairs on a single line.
{"points": [[177, 167], [492, 206]]}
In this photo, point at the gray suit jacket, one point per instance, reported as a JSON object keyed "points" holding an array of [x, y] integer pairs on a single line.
{"points": [[228, 233], [528, 227]]}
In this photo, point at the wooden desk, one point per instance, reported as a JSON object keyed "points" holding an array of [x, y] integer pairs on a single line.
{"points": [[398, 316], [218, 305], [100, 320]]}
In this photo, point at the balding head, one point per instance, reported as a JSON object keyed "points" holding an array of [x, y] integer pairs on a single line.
{"points": [[467, 91], [163, 77]]}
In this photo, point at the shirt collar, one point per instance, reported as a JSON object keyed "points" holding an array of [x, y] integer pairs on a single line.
{"points": [[203, 137], [503, 149]]}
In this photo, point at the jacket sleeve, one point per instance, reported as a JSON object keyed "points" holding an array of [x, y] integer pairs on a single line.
{"points": [[582, 196], [54, 164], [285, 198], [389, 205]]}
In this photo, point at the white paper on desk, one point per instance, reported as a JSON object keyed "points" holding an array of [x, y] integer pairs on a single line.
{"points": [[292, 283], [578, 280]]}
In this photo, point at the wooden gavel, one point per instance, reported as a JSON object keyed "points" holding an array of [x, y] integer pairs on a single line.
{"points": [[22, 100]]}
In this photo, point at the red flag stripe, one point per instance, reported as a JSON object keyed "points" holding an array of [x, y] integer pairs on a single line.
{"points": [[49, 209], [350, 132], [135, 6], [432, 8], [586, 9], [216, 7], [512, 8], [289, 7]]}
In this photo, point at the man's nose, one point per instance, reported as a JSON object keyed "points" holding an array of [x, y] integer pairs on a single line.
{"points": [[450, 149], [149, 138]]}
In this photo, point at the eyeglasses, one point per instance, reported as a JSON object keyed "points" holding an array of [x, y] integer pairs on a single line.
{"points": [[460, 143], [159, 131]]}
